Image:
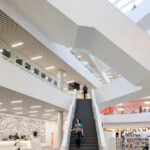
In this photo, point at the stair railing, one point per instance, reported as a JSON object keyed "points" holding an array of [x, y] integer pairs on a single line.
{"points": [[67, 133], [99, 128]]}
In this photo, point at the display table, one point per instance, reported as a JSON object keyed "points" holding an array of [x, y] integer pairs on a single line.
{"points": [[10, 145]]}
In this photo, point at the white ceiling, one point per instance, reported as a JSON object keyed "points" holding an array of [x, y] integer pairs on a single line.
{"points": [[6, 96], [11, 33]]}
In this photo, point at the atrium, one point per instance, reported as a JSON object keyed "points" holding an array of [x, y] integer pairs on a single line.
{"points": [[74, 74]]}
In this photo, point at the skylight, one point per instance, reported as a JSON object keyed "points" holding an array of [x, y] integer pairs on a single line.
{"points": [[126, 6]]}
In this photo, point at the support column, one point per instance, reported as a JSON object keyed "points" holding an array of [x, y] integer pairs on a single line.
{"points": [[60, 76], [60, 128]]}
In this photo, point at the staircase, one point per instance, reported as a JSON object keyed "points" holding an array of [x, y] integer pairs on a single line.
{"points": [[85, 113]]}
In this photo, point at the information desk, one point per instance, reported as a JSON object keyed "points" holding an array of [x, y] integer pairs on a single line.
{"points": [[10, 145]]}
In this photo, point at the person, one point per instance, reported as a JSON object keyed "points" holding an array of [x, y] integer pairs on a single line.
{"points": [[17, 142], [146, 147], [35, 142], [85, 90], [78, 128]]}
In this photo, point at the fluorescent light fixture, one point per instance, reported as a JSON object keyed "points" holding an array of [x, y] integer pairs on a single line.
{"points": [[1, 50], [64, 75], [17, 108], [120, 104], [32, 107], [37, 57], [120, 109], [32, 112], [15, 102], [17, 44], [147, 102], [33, 115], [1, 103], [46, 114], [4, 109], [79, 56], [69, 81], [49, 68], [19, 113], [49, 110]]}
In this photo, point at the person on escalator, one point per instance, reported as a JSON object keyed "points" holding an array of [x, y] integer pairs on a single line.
{"points": [[78, 128], [85, 91]]}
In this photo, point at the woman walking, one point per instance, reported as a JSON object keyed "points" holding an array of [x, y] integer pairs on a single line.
{"points": [[78, 128]]}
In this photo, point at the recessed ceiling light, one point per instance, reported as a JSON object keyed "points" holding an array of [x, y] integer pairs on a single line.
{"points": [[32, 107], [1, 50], [37, 57], [147, 102], [120, 104], [17, 108], [1, 103], [49, 110], [4, 109], [33, 112], [69, 81], [19, 113], [33, 115], [15, 102], [120, 109], [17, 44], [79, 56], [49, 68], [64, 75], [46, 114]]}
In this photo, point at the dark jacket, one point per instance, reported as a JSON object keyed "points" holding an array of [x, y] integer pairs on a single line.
{"points": [[85, 89]]}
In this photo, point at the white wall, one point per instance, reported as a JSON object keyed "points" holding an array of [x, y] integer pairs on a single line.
{"points": [[118, 88], [126, 120], [16, 79]]}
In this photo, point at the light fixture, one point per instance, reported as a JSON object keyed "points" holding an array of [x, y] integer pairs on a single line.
{"points": [[69, 81], [120, 109], [15, 102], [32, 107], [17, 108], [46, 114], [147, 102], [1, 103], [32, 112], [17, 44], [49, 68], [19, 113], [1, 50], [120, 104], [64, 75], [4, 109], [49, 110], [79, 56], [37, 57]]}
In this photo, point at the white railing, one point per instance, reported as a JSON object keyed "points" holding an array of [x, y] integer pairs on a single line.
{"points": [[67, 133], [99, 128]]}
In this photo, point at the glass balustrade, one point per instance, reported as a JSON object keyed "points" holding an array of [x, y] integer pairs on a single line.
{"points": [[25, 63]]}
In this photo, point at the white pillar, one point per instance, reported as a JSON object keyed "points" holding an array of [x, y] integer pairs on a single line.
{"points": [[60, 76], [60, 128]]}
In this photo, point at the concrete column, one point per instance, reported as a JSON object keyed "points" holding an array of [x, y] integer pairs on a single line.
{"points": [[60, 76], [60, 128]]}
